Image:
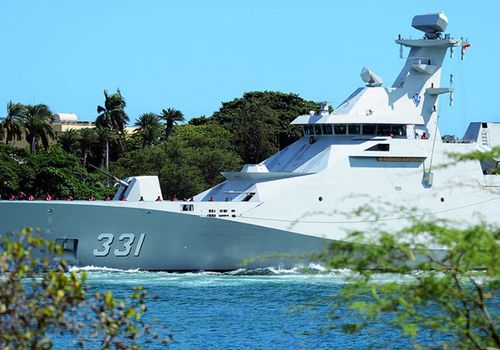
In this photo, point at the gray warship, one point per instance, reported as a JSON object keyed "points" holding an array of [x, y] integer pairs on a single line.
{"points": [[379, 143]]}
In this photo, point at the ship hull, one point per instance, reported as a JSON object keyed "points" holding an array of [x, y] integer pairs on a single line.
{"points": [[138, 238]]}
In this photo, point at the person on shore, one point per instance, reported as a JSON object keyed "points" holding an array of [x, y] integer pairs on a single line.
{"points": [[174, 198], [124, 199], [12, 197], [48, 197], [107, 198], [69, 198], [31, 197], [21, 196]]}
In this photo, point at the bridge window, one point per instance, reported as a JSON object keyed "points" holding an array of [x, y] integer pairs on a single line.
{"points": [[383, 130], [317, 129], [354, 129], [340, 129], [399, 130], [327, 129], [369, 129]]}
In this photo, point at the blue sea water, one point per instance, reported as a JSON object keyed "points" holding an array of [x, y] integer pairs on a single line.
{"points": [[259, 309]]}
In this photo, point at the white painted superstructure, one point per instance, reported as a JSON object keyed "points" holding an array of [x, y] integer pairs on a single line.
{"points": [[381, 147]]}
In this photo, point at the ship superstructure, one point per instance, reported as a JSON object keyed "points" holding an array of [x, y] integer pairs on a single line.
{"points": [[381, 147]]}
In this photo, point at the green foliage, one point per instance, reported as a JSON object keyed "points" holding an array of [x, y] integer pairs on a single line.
{"points": [[55, 172], [442, 289], [34, 305], [187, 163], [261, 121], [69, 140], [149, 129], [171, 116], [12, 122], [490, 160], [36, 123], [12, 169], [112, 115]]}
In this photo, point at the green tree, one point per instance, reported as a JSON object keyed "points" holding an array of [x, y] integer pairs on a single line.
{"points": [[261, 120], [87, 138], [13, 169], [69, 140], [104, 137], [34, 305], [61, 174], [36, 122], [149, 128], [12, 123], [171, 116], [442, 292], [189, 162], [112, 115]]}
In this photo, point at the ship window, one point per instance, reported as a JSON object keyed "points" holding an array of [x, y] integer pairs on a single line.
{"points": [[340, 129], [187, 207], [327, 129], [354, 129], [399, 130], [317, 129], [384, 147], [484, 125], [368, 129], [309, 129], [383, 130]]}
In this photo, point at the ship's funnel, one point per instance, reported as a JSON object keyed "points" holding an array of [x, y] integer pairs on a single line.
{"points": [[432, 24], [371, 79]]}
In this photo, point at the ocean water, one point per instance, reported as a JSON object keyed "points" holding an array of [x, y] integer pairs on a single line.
{"points": [[259, 309]]}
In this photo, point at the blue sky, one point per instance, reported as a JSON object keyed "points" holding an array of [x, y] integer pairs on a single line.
{"points": [[194, 54]]}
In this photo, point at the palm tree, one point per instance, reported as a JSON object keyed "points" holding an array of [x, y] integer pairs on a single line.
{"points": [[69, 140], [36, 123], [87, 139], [112, 115], [171, 116], [148, 128], [12, 123], [104, 136]]}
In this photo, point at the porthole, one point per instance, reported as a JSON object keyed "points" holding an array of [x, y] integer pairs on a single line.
{"points": [[320, 198], [442, 199]]}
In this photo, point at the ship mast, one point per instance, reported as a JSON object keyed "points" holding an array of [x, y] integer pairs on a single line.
{"points": [[420, 77]]}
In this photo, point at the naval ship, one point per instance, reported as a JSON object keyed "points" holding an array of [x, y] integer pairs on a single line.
{"points": [[380, 145]]}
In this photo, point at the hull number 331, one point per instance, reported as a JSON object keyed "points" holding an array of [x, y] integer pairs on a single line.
{"points": [[123, 246]]}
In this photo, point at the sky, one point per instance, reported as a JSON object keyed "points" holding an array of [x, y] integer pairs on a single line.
{"points": [[193, 55]]}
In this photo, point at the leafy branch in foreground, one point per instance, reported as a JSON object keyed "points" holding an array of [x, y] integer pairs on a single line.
{"points": [[38, 300], [452, 282], [490, 158]]}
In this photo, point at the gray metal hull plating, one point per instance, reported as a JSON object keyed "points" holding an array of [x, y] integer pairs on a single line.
{"points": [[170, 241]]}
